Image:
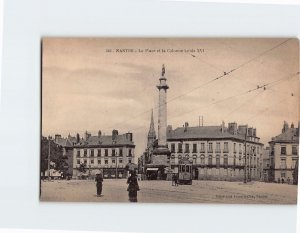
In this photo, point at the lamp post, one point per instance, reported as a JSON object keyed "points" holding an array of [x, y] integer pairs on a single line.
{"points": [[49, 140]]}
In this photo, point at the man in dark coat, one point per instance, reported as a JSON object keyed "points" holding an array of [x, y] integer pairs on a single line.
{"points": [[133, 187], [99, 180], [173, 179], [176, 179]]}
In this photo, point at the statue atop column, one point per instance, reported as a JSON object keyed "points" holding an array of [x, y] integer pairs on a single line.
{"points": [[163, 70]]}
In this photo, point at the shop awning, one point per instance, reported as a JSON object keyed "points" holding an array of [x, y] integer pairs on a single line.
{"points": [[152, 169]]}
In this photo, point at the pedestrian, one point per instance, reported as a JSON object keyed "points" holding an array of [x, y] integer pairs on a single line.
{"points": [[288, 180], [282, 180], [176, 179], [173, 179], [133, 187], [99, 180]]}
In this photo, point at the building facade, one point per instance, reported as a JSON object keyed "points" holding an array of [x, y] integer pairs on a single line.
{"points": [[218, 152], [284, 154], [107, 154]]}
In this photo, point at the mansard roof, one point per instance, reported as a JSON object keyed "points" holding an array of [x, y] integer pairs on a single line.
{"points": [[96, 141], [290, 135], [204, 132]]}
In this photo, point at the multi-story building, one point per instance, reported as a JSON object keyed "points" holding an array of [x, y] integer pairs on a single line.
{"points": [[109, 154], [284, 154], [217, 152]]}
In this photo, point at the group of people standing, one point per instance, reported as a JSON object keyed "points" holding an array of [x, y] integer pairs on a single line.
{"points": [[132, 181]]}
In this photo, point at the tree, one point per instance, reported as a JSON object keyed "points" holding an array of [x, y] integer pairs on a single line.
{"points": [[56, 155], [82, 168]]}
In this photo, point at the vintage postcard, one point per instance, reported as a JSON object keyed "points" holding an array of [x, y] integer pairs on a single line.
{"points": [[170, 120]]}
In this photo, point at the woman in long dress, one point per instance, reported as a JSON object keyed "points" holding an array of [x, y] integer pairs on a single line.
{"points": [[133, 187]]}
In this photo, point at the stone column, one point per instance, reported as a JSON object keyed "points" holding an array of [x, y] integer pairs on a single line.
{"points": [[161, 152], [162, 110]]}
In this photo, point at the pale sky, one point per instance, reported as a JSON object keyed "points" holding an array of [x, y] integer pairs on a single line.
{"points": [[84, 87]]}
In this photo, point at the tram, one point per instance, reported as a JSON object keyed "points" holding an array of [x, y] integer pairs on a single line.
{"points": [[185, 171]]}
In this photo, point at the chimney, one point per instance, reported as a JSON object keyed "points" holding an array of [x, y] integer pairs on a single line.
{"points": [[56, 137], [128, 136], [87, 135], [77, 138], [99, 134], [186, 125], [242, 129], [232, 128], [223, 127], [285, 127], [114, 134], [250, 132], [292, 125]]}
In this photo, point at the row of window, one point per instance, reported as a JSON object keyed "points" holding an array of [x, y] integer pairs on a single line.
{"points": [[294, 150], [210, 147], [114, 152], [283, 164], [225, 160], [98, 161]]}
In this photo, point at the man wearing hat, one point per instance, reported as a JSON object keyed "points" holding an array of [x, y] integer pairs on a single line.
{"points": [[99, 180]]}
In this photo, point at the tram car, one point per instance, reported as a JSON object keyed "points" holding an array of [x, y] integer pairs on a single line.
{"points": [[185, 171]]}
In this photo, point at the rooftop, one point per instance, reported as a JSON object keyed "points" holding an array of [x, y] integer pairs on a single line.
{"points": [[209, 132], [290, 135], [124, 139]]}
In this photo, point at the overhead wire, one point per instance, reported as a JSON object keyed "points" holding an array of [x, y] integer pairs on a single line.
{"points": [[206, 83]]}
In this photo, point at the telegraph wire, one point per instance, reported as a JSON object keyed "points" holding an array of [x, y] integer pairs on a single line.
{"points": [[267, 109], [263, 53], [263, 88], [243, 104], [207, 63], [208, 82]]}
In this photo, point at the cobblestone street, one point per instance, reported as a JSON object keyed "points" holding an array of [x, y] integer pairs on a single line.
{"points": [[163, 191]]}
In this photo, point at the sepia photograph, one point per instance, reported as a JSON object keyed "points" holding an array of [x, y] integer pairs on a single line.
{"points": [[170, 120]]}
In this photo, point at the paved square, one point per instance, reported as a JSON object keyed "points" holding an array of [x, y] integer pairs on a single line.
{"points": [[163, 192]]}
